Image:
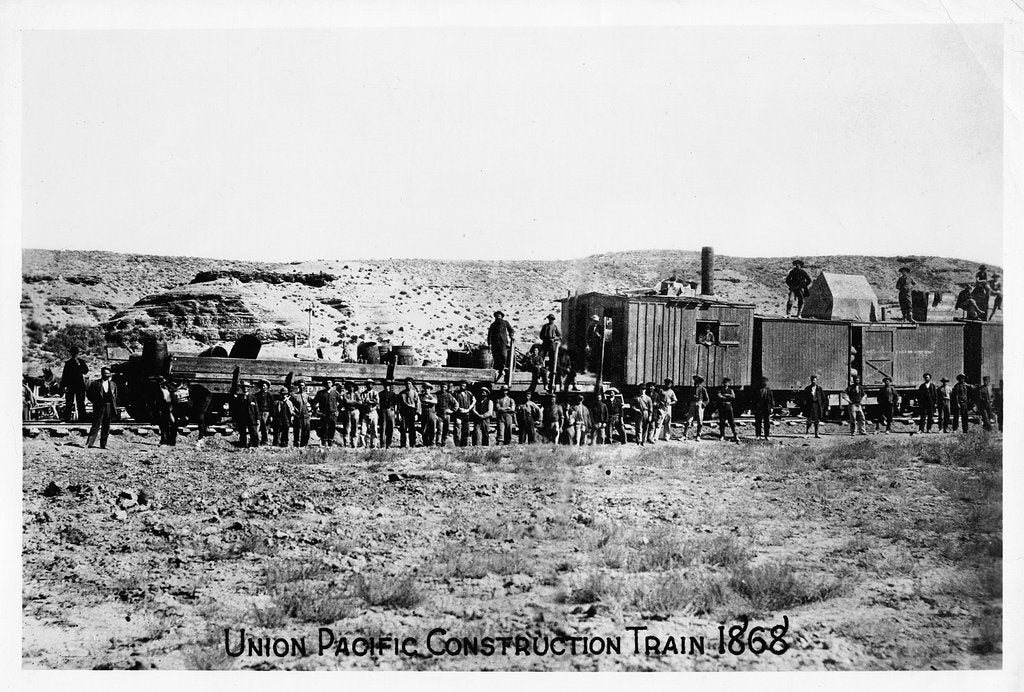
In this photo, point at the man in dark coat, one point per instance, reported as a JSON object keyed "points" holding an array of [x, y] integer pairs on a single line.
{"points": [[102, 394], [500, 337], [889, 401], [445, 412], [855, 393], [762, 405], [464, 403], [904, 286], [164, 407], [408, 409], [480, 416], [615, 425], [798, 282], [961, 401], [283, 416], [985, 399], [327, 403], [73, 382], [595, 344], [303, 415], [248, 413], [726, 414], [263, 402], [927, 402], [527, 417], [815, 405], [388, 414]]}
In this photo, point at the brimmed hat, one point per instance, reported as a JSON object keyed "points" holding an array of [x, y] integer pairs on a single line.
{"points": [[943, 379], [595, 318], [550, 317], [429, 387], [798, 263], [504, 388], [961, 376], [241, 383], [698, 379], [483, 388], [368, 383], [409, 379], [905, 269], [887, 379], [499, 313]]}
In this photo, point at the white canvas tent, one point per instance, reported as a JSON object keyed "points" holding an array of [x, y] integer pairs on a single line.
{"points": [[842, 297]]}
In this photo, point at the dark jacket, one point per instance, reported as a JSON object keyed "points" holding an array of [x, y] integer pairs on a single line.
{"points": [[962, 395], [928, 395], [888, 395], [856, 393], [817, 403], [326, 402], [73, 377], [549, 333], [763, 400], [500, 332], [301, 405], [726, 398], [94, 393], [798, 279]]}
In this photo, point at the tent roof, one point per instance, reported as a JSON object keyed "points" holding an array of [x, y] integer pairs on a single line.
{"points": [[842, 297]]}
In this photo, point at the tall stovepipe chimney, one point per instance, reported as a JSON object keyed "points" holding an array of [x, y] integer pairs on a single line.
{"points": [[707, 271]]}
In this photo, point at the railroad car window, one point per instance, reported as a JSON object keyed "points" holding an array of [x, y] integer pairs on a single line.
{"points": [[707, 333], [729, 333]]}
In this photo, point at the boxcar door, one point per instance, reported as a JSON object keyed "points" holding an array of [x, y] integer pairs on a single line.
{"points": [[878, 345]]}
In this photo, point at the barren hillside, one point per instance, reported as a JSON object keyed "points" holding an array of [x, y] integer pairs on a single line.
{"points": [[432, 304]]}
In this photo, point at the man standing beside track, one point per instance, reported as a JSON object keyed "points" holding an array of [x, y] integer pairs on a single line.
{"points": [[697, 406], [944, 397], [643, 407], [816, 403], [762, 405], [855, 393], [726, 415], [303, 415], [927, 402], [985, 398], [961, 401], [408, 408], [504, 413], [369, 414], [889, 401], [388, 414], [326, 404], [464, 403], [102, 394], [666, 399], [527, 417], [72, 381], [445, 412]]}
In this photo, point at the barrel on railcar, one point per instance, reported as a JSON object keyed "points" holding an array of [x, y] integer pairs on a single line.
{"points": [[650, 338]]}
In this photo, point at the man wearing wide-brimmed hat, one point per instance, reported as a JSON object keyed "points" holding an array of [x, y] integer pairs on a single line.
{"points": [[388, 414], [369, 419], [961, 401], [798, 281], [595, 344], [927, 402], [303, 415], [428, 414], [500, 337], [480, 416], [695, 411], [550, 338], [248, 416], [889, 402], [464, 403], [904, 287], [944, 395], [408, 409], [504, 415]]}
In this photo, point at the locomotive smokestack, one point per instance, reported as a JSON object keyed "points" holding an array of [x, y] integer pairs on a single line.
{"points": [[707, 271]]}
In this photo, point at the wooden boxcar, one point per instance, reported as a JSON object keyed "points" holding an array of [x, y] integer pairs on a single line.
{"points": [[983, 350], [904, 352], [789, 351], [657, 337]]}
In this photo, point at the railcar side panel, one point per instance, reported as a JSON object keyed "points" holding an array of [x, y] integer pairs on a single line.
{"points": [[790, 351]]}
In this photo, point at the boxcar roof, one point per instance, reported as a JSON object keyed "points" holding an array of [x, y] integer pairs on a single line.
{"points": [[655, 298]]}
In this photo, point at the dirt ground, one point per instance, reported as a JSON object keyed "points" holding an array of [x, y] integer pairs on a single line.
{"points": [[883, 552]]}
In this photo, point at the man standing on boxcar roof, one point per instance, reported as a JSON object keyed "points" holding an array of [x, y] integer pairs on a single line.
{"points": [[798, 281], [500, 337], [996, 288], [904, 285], [816, 402], [927, 402], [550, 338]]}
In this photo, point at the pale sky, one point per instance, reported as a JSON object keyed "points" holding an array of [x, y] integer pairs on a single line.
{"points": [[515, 143]]}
